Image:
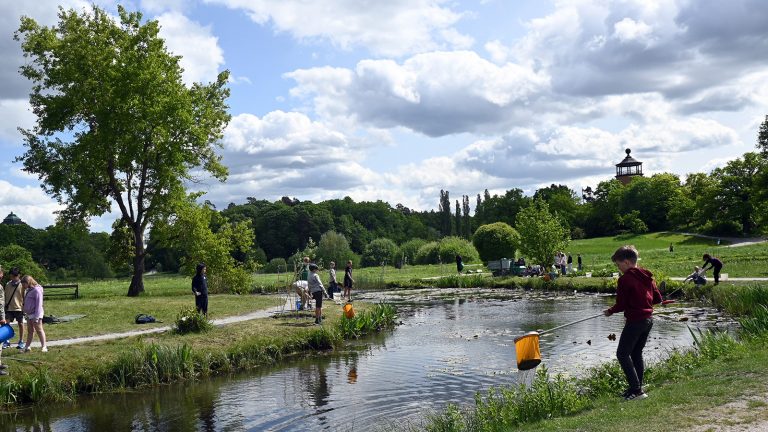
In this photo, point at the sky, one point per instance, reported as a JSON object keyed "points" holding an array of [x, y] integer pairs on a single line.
{"points": [[396, 100]]}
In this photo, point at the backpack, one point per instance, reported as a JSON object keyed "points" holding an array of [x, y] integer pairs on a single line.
{"points": [[144, 319]]}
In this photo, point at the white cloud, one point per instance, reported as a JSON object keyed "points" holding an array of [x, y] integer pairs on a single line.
{"points": [[628, 30], [436, 93], [30, 203], [388, 28], [14, 113], [201, 55]]}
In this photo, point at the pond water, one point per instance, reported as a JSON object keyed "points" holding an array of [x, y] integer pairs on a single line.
{"points": [[446, 349]]}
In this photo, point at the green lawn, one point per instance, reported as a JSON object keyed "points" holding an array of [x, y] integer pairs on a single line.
{"points": [[742, 261], [107, 309]]}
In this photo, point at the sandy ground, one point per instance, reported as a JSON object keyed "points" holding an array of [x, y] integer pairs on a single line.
{"points": [[748, 413]]}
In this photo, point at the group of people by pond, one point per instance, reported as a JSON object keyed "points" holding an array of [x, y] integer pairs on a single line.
{"points": [[309, 286], [22, 299]]}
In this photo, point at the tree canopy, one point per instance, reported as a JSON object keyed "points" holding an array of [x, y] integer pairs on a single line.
{"points": [[115, 123], [542, 234]]}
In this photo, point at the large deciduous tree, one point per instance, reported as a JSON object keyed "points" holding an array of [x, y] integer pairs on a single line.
{"points": [[115, 122]]}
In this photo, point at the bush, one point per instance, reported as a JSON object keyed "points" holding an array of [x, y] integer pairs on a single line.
{"points": [[16, 256], [428, 253], [235, 281], [452, 246], [276, 265], [189, 320], [378, 251], [724, 228], [410, 248], [496, 240]]}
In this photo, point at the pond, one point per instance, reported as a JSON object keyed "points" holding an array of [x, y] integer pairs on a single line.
{"points": [[450, 345]]}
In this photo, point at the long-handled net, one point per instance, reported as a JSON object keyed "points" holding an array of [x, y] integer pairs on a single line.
{"points": [[527, 346]]}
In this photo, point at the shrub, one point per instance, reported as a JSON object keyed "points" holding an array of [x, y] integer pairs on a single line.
{"points": [[428, 253], [496, 240], [276, 265], [189, 320], [235, 281], [17, 256], [452, 246], [380, 250], [410, 248]]}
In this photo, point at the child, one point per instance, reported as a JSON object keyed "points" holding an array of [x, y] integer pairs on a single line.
{"points": [[14, 299], [33, 308], [348, 281], [200, 288], [635, 296], [316, 289], [332, 283], [697, 277]]}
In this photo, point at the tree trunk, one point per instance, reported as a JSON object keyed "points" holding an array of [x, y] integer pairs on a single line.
{"points": [[137, 282]]}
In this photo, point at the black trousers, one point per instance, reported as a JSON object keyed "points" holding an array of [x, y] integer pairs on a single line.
{"points": [[201, 303], [716, 274], [630, 351]]}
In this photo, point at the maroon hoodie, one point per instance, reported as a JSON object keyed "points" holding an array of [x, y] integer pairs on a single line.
{"points": [[636, 295]]}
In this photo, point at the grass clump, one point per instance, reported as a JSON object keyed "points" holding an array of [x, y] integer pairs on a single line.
{"points": [[375, 319], [189, 320]]}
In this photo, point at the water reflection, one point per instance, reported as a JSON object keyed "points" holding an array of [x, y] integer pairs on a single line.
{"points": [[444, 352]]}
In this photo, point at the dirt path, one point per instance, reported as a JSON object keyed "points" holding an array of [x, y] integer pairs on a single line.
{"points": [[748, 413], [732, 241], [265, 313]]}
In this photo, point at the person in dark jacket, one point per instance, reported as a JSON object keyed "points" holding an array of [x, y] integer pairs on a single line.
{"points": [[635, 296], [713, 263], [459, 263], [200, 288]]}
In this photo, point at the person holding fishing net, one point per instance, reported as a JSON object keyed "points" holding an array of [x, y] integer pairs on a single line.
{"points": [[635, 296]]}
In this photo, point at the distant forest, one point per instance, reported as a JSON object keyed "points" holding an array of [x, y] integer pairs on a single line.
{"points": [[729, 201]]}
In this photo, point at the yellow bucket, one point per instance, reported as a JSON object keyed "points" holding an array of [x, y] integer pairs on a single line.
{"points": [[348, 311], [527, 350]]}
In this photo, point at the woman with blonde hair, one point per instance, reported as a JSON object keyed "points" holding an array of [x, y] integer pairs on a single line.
{"points": [[33, 309]]}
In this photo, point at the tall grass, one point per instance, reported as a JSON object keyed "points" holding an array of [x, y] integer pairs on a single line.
{"points": [[375, 319]]}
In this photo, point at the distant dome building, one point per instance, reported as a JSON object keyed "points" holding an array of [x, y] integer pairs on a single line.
{"points": [[12, 219], [628, 169]]}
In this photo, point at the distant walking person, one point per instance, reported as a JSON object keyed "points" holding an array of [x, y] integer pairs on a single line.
{"points": [[714, 264], [14, 302], [459, 264], [671, 248], [348, 281], [578, 260], [200, 288], [33, 308]]}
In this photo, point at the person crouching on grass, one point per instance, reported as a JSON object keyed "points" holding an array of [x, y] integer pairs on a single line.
{"points": [[635, 296], [316, 290]]}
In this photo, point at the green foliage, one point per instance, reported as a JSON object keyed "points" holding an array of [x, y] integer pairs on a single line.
{"points": [[334, 247], [449, 247], [632, 222], [428, 253], [542, 234], [379, 317], [17, 256], [410, 248], [189, 229], [189, 320], [380, 251], [495, 241], [276, 265], [140, 131]]}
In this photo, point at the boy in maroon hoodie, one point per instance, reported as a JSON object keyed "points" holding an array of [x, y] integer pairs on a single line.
{"points": [[635, 296]]}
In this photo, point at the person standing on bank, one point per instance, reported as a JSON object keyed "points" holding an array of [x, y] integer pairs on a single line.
{"points": [[332, 283], [316, 290], [578, 261], [713, 263], [14, 300], [459, 264], [635, 296], [348, 281], [200, 288], [570, 263], [33, 308]]}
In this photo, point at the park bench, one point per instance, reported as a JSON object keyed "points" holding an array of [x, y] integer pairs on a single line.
{"points": [[59, 290]]}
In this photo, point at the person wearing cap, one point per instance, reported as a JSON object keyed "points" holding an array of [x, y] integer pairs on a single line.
{"points": [[316, 289], [13, 305], [200, 288]]}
